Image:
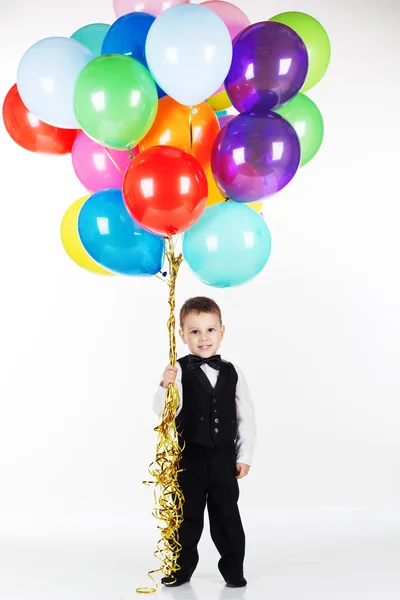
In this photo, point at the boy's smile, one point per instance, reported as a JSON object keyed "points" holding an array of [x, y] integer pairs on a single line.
{"points": [[203, 333]]}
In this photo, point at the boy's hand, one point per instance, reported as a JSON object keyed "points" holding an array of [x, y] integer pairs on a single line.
{"points": [[169, 376], [242, 470]]}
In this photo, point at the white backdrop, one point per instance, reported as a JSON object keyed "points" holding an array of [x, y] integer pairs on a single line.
{"points": [[317, 333]]}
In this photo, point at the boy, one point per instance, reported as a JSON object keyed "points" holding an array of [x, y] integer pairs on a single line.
{"points": [[217, 422]]}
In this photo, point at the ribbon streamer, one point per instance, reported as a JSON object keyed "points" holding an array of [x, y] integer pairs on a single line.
{"points": [[113, 161], [168, 497]]}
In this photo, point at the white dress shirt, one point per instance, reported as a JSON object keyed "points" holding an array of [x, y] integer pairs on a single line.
{"points": [[246, 422]]}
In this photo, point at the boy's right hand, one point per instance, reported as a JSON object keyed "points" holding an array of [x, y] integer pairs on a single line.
{"points": [[170, 374]]}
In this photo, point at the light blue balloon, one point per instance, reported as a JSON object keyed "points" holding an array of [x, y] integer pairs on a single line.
{"points": [[46, 79], [229, 245], [92, 36], [111, 237], [189, 53], [128, 36]]}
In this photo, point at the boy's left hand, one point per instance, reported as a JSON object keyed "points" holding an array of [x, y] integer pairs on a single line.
{"points": [[242, 470]]}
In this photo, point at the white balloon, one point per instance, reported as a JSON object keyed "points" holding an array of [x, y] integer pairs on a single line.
{"points": [[46, 79], [189, 53]]}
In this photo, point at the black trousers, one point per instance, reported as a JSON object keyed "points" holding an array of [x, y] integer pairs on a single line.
{"points": [[209, 478]]}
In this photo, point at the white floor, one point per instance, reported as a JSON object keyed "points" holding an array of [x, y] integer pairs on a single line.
{"points": [[339, 555]]}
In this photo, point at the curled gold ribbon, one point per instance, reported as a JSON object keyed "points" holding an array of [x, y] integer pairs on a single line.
{"points": [[168, 497]]}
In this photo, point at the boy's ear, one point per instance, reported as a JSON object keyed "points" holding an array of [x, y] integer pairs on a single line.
{"points": [[181, 333], [222, 331]]}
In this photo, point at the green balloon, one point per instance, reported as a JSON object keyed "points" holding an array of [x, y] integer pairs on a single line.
{"points": [[316, 40], [115, 101], [304, 116]]}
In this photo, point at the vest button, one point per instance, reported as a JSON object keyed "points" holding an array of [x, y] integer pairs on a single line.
{"points": [[216, 421], [215, 410], [214, 399], [215, 430]]}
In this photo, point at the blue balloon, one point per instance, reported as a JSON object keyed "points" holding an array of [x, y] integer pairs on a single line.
{"points": [[128, 36], [229, 245], [114, 240], [92, 36]]}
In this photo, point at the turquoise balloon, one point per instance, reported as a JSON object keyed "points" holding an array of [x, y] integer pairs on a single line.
{"points": [[92, 36], [229, 245]]}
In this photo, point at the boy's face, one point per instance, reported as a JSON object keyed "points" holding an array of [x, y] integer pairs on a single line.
{"points": [[203, 333]]}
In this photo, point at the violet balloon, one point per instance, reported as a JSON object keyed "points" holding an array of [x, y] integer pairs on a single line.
{"points": [[269, 67], [224, 120], [255, 155]]}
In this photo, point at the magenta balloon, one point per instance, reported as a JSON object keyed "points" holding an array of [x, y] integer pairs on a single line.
{"points": [[255, 155], [96, 167], [269, 67]]}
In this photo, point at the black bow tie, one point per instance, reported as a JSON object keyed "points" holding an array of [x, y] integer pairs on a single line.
{"points": [[195, 362]]}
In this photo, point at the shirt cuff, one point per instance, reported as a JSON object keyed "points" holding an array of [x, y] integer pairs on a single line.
{"points": [[245, 458]]}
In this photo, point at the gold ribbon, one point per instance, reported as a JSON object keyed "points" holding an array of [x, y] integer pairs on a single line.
{"points": [[191, 128], [168, 497], [112, 160]]}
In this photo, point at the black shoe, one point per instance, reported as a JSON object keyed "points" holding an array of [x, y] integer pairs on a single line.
{"points": [[174, 581], [236, 583]]}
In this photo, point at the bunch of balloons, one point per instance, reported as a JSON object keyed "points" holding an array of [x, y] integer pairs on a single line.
{"points": [[136, 104]]}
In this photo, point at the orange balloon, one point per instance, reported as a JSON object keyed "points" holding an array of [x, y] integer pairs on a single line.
{"points": [[215, 196], [172, 128]]}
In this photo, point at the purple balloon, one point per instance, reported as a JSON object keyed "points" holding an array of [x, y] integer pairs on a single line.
{"points": [[224, 120], [269, 67], [255, 155]]}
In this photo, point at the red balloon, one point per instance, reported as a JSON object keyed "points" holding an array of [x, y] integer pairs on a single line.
{"points": [[165, 190], [30, 132]]}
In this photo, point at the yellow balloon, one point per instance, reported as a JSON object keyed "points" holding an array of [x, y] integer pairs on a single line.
{"points": [[72, 243], [215, 196], [219, 102]]}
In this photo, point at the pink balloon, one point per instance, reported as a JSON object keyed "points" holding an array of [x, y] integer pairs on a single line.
{"points": [[151, 7], [232, 16], [94, 164]]}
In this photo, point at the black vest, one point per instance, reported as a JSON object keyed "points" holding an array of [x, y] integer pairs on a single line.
{"points": [[208, 416]]}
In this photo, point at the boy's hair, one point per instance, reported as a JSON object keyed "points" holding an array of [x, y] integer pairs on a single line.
{"points": [[199, 304]]}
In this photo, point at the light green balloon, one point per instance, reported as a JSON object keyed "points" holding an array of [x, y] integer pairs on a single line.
{"points": [[115, 101], [316, 40], [304, 116]]}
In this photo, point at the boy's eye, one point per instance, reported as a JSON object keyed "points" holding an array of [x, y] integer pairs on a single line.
{"points": [[209, 329]]}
